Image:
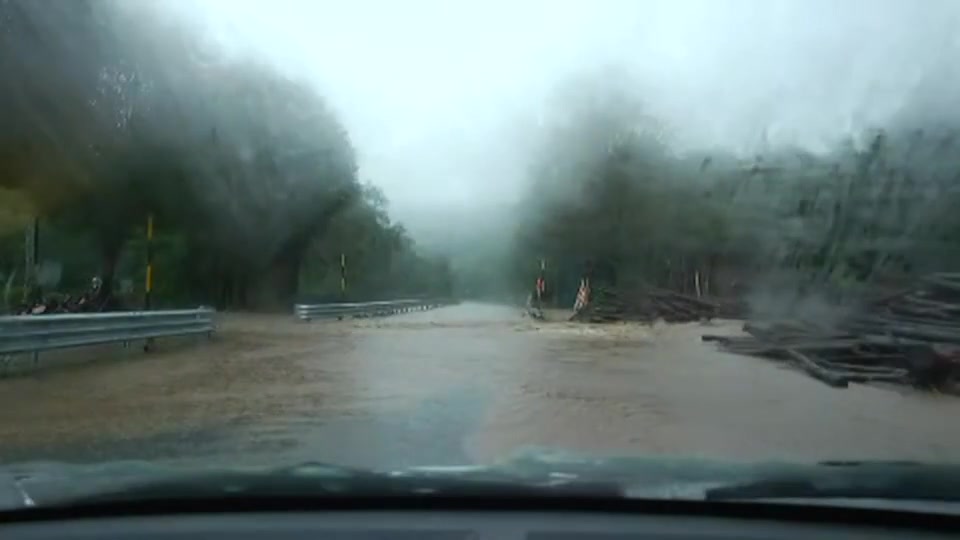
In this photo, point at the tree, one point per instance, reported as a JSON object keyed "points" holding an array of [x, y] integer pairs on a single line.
{"points": [[243, 168]]}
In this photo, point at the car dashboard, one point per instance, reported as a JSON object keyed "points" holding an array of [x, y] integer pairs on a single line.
{"points": [[444, 525]]}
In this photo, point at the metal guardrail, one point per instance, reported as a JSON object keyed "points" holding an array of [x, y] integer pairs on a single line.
{"points": [[307, 312], [35, 333]]}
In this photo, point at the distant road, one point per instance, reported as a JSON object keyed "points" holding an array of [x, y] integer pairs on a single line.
{"points": [[467, 383]]}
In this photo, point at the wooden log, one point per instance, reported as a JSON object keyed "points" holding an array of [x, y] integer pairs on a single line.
{"points": [[815, 344], [660, 293], [940, 281], [891, 297], [716, 338], [913, 299], [930, 335], [867, 363], [860, 368], [949, 276], [876, 321], [876, 377], [816, 371], [878, 339], [757, 330]]}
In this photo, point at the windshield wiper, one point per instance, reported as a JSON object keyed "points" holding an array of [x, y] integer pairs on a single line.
{"points": [[314, 480]]}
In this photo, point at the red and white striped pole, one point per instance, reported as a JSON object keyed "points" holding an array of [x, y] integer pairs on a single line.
{"points": [[541, 282]]}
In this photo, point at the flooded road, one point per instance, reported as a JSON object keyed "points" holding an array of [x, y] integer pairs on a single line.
{"points": [[461, 384]]}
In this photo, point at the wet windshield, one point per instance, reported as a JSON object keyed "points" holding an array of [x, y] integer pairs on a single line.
{"points": [[384, 235]]}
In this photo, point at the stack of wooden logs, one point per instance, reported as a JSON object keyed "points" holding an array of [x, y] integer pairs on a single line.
{"points": [[911, 337], [608, 304]]}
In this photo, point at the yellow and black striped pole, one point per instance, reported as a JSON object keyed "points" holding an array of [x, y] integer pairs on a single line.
{"points": [[343, 275], [31, 281], [148, 285]]}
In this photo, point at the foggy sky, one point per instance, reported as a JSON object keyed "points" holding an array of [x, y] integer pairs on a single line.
{"points": [[439, 96]]}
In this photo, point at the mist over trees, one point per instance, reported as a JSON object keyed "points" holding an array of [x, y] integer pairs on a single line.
{"points": [[114, 111], [610, 196]]}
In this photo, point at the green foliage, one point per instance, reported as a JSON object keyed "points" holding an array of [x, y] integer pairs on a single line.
{"points": [[380, 257], [114, 112], [609, 198], [607, 195]]}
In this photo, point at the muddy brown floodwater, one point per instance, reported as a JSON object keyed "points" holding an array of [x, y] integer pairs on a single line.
{"points": [[462, 384]]}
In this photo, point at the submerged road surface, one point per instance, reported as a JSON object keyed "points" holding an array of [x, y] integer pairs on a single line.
{"points": [[461, 384]]}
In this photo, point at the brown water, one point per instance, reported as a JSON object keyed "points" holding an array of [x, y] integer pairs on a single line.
{"points": [[468, 383]]}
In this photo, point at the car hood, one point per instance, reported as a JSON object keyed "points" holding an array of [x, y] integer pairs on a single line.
{"points": [[540, 473]]}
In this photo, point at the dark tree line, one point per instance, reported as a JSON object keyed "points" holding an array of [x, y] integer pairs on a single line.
{"points": [[610, 195], [114, 111]]}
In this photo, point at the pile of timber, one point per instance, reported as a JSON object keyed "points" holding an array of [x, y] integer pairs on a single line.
{"points": [[609, 304], [730, 308], [911, 337]]}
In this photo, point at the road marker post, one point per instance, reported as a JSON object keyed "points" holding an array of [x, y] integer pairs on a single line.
{"points": [[343, 275], [148, 284]]}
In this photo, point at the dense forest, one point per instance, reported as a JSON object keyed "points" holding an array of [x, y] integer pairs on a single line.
{"points": [[612, 197], [114, 115]]}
